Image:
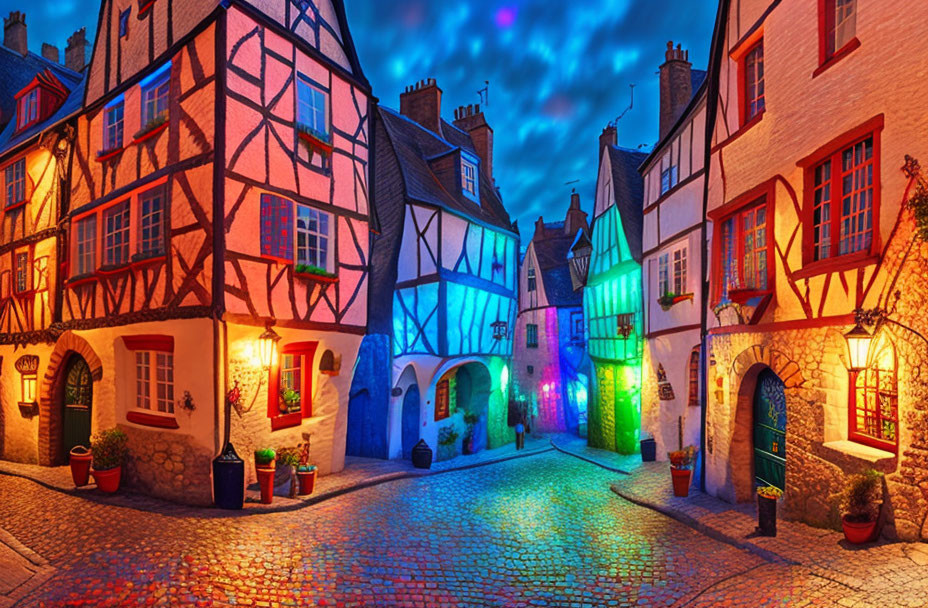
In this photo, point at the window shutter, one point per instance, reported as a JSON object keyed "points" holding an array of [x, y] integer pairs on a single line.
{"points": [[276, 227]]}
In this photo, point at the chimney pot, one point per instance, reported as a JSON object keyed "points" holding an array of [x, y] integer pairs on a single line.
{"points": [[676, 87], [422, 104], [75, 54], [50, 52], [609, 137], [473, 121], [14, 33]]}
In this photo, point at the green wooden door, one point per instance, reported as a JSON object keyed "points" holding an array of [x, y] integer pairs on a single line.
{"points": [[769, 430], [78, 396]]}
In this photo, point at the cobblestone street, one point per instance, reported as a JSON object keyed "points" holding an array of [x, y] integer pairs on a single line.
{"points": [[539, 531]]}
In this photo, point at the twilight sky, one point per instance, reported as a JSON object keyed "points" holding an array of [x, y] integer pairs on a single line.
{"points": [[558, 71]]}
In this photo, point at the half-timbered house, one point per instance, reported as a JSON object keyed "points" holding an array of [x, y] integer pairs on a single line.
{"points": [[818, 120], [219, 192], [550, 369], [612, 303], [39, 103], [444, 285], [674, 181]]}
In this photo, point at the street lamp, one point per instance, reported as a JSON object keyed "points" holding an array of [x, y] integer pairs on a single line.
{"points": [[858, 345], [267, 347], [859, 338], [500, 329]]}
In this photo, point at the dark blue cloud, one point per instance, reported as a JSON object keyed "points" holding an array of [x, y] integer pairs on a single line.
{"points": [[558, 72]]}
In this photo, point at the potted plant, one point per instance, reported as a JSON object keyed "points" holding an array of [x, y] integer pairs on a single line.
{"points": [[471, 421], [447, 437], [305, 472], [648, 448], [79, 459], [109, 450], [681, 469], [289, 400], [666, 301], [861, 507], [290, 458], [264, 468], [767, 497]]}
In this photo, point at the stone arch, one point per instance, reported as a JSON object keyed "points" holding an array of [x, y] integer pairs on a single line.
{"points": [[784, 367], [49, 407]]}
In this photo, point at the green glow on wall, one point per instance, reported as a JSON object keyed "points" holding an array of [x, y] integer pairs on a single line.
{"points": [[504, 380]]}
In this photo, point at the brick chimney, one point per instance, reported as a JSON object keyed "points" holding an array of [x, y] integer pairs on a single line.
{"points": [[14, 33], [421, 103], [75, 54], [576, 217], [676, 86], [50, 52], [609, 137], [470, 119]]}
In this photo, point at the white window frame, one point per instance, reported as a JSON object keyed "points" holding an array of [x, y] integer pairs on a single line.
{"points": [[309, 108], [116, 237], [154, 382], [113, 129], [323, 236], [470, 181], [671, 271]]}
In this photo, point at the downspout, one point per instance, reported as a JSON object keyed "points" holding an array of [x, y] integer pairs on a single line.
{"points": [[712, 93]]}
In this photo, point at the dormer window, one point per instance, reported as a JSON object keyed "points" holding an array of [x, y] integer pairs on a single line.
{"points": [[28, 111], [469, 179]]}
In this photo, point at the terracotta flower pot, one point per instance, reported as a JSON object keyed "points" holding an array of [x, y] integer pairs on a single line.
{"points": [[681, 481], [266, 481], [108, 480], [79, 459], [858, 533], [307, 481], [272, 465]]}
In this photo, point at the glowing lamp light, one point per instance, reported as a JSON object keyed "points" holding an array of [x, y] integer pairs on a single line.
{"points": [[267, 347], [858, 345], [29, 382], [504, 379]]}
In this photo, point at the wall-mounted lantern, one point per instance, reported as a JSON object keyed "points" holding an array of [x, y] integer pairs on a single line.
{"points": [[858, 345], [500, 330], [578, 258], [267, 347], [28, 368], [859, 338], [625, 324]]}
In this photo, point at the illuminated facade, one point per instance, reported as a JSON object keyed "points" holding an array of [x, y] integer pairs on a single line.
{"points": [[444, 284], [40, 101], [219, 187], [808, 180], [549, 362], [612, 302], [674, 182]]}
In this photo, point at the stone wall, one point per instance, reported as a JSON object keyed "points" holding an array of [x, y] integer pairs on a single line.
{"points": [[167, 465]]}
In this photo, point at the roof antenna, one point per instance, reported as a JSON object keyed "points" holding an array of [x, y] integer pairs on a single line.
{"points": [[631, 104], [573, 181], [484, 93]]}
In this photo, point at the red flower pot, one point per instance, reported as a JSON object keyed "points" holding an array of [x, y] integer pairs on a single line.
{"points": [[266, 481], [681, 481], [79, 460], [307, 481], [858, 533], [108, 480]]}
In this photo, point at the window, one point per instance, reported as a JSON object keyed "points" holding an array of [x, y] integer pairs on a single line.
{"points": [[124, 22], [442, 400], [531, 335], [29, 381], [23, 273], [531, 279], [669, 178], [151, 222], [694, 377], [469, 178], [291, 387], [744, 247], [312, 102], [576, 326], [112, 125], [840, 25], [679, 271], [312, 237], [277, 227], [663, 274], [116, 235], [15, 180], [154, 381], [672, 272], [28, 110], [753, 68], [155, 90], [874, 415], [85, 255]]}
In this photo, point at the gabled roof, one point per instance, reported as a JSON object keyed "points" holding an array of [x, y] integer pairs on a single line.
{"points": [[16, 73], [629, 194], [551, 253], [415, 145]]}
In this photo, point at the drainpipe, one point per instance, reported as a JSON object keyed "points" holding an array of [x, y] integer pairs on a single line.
{"points": [[712, 93]]}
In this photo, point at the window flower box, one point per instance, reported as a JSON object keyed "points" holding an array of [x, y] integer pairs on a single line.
{"points": [[315, 139], [154, 127], [668, 300], [105, 155], [81, 279], [314, 273]]}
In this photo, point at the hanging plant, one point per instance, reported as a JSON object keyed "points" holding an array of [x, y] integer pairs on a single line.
{"points": [[918, 202]]}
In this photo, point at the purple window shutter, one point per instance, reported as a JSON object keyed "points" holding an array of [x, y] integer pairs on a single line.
{"points": [[285, 229], [267, 224], [276, 226]]}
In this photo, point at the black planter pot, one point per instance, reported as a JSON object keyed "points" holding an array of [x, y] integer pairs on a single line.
{"points": [[228, 479], [648, 450], [422, 455], [766, 516]]}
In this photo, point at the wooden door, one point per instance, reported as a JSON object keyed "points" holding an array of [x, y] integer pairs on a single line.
{"points": [[769, 430], [77, 401]]}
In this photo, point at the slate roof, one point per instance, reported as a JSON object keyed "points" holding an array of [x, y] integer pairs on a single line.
{"points": [[629, 194], [413, 145], [696, 79], [17, 71]]}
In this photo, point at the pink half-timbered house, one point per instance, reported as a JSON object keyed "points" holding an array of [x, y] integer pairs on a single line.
{"points": [[219, 190]]}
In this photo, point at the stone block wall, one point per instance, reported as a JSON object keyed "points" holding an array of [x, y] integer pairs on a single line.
{"points": [[167, 465]]}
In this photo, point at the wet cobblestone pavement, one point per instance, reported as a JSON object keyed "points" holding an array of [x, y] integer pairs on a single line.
{"points": [[538, 531]]}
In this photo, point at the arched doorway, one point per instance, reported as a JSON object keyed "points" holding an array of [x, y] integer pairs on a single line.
{"points": [[76, 402], [769, 430], [410, 420]]}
